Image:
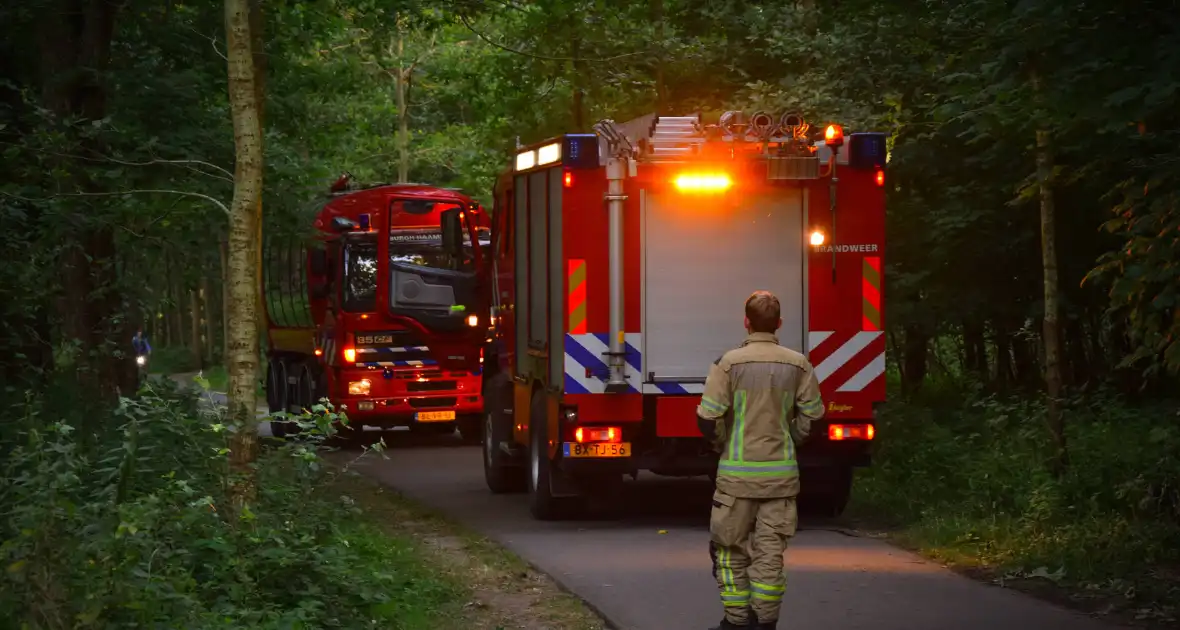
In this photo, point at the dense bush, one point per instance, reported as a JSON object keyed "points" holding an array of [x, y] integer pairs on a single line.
{"points": [[974, 481], [133, 530]]}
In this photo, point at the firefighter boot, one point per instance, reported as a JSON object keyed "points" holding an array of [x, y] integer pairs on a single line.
{"points": [[726, 624]]}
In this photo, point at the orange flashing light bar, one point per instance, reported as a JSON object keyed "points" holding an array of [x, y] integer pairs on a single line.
{"points": [[840, 432], [834, 135], [703, 182], [598, 434]]}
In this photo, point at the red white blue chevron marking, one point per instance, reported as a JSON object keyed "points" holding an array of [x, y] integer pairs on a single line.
{"points": [[586, 370]]}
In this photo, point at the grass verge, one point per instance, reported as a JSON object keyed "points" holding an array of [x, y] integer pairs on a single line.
{"points": [[971, 487], [133, 524], [500, 590]]}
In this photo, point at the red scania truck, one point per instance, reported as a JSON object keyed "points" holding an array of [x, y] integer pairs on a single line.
{"points": [[621, 262], [383, 311]]}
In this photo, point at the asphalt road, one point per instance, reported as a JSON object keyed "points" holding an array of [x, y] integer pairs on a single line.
{"points": [[650, 570]]}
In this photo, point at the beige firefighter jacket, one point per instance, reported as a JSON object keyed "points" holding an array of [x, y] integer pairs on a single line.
{"points": [[761, 399]]}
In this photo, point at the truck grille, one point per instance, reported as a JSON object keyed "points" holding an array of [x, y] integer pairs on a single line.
{"points": [[430, 386], [420, 403]]}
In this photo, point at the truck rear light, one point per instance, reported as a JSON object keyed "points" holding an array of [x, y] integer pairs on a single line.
{"points": [[359, 388], [880, 178], [350, 355], [473, 320], [838, 432], [583, 435], [569, 179], [817, 238]]}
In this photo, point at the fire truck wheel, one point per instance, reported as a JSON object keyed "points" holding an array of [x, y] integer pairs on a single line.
{"points": [[834, 499], [502, 475], [543, 505]]}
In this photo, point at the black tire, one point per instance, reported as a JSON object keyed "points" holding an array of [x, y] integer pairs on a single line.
{"points": [[833, 502], [276, 383], [501, 475], [280, 400], [471, 428], [542, 504]]}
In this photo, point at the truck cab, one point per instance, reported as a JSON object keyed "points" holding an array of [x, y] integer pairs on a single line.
{"points": [[395, 310]]}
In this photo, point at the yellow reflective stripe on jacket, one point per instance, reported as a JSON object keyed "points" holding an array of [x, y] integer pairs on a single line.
{"points": [[737, 440], [813, 408], [712, 406], [788, 442], [757, 469]]}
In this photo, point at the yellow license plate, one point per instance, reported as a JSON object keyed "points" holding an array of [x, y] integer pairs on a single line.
{"points": [[599, 449], [434, 416]]}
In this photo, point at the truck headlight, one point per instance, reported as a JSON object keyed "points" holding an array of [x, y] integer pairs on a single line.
{"points": [[359, 388]]}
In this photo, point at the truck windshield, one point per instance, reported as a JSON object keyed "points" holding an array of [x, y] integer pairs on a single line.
{"points": [[418, 247]]}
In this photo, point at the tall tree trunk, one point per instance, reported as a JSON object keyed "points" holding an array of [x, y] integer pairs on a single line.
{"points": [[916, 343], [75, 46], [223, 248], [195, 344], [403, 112], [657, 16], [1051, 333], [207, 312], [242, 360], [577, 106]]}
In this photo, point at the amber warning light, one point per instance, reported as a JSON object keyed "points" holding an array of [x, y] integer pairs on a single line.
{"points": [[703, 182]]}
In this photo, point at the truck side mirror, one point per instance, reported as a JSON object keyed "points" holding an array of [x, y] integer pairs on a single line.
{"points": [[452, 232], [318, 261]]}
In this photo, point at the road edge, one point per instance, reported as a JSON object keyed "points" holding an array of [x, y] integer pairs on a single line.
{"points": [[608, 622]]}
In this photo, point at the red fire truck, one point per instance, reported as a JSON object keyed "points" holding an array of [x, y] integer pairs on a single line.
{"points": [[383, 311], [622, 260]]}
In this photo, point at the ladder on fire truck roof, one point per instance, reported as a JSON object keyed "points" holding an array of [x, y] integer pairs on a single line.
{"points": [[678, 138]]}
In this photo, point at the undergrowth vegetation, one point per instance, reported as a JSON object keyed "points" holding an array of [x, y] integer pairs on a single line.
{"points": [[130, 526], [967, 477]]}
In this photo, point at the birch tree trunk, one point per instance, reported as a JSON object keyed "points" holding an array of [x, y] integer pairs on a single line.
{"points": [[244, 226], [403, 112], [1052, 330]]}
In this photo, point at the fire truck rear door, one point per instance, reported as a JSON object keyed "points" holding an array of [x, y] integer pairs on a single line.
{"points": [[703, 256]]}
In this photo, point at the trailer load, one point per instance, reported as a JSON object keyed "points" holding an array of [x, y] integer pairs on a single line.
{"points": [[621, 262], [382, 312]]}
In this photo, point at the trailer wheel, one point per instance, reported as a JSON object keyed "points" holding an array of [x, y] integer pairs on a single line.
{"points": [[543, 505], [501, 475], [276, 380]]}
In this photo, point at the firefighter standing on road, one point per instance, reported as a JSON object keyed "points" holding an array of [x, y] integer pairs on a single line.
{"points": [[759, 402]]}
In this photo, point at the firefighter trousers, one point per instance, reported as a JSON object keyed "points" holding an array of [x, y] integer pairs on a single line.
{"points": [[747, 540]]}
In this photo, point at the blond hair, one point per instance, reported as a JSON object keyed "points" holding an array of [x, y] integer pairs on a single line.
{"points": [[762, 309]]}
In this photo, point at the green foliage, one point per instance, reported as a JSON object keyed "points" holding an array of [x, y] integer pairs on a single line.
{"points": [[136, 530], [972, 484]]}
